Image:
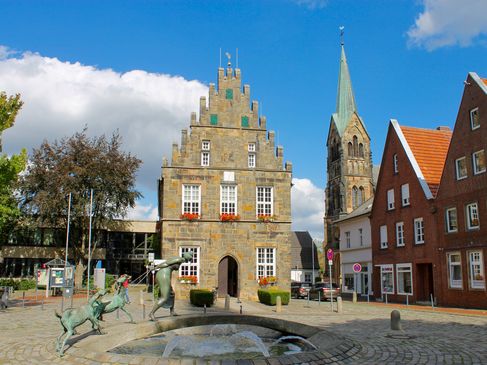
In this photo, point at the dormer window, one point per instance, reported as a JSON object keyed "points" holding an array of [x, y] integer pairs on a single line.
{"points": [[474, 118]]}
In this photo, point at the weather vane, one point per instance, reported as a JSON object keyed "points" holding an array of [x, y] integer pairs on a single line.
{"points": [[342, 31], [229, 57]]}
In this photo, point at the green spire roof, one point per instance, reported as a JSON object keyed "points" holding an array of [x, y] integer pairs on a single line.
{"points": [[345, 99]]}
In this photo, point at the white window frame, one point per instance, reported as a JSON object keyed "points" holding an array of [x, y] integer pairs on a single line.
{"points": [[457, 169], [192, 267], [448, 220], [361, 236], [405, 200], [386, 269], [264, 267], [390, 199], [205, 158], [227, 205], [400, 268], [192, 200], [472, 126], [251, 160], [347, 239], [205, 145], [264, 207], [476, 169], [251, 147], [476, 267], [454, 284], [419, 230], [383, 236], [472, 214], [400, 240], [395, 164]]}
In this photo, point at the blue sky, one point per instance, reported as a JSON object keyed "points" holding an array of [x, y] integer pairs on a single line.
{"points": [[407, 59]]}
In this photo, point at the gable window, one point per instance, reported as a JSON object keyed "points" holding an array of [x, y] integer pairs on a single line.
{"points": [[191, 199], [461, 168], [418, 230], [405, 195], [472, 216], [476, 270], [361, 236], [347, 239], [478, 159], [228, 199], [474, 118], [350, 149], [404, 279], [264, 201], [266, 262], [451, 220], [361, 150], [390, 199], [400, 234], [355, 146], [205, 158], [251, 160], [383, 236], [454, 270], [387, 279], [394, 163], [191, 268]]}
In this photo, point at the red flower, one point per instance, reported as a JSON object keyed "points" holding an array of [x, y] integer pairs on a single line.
{"points": [[190, 216], [225, 217]]}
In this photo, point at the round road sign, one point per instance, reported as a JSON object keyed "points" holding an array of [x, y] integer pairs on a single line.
{"points": [[357, 267], [329, 254]]}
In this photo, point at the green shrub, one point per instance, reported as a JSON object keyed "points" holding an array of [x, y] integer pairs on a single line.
{"points": [[109, 281], [268, 296], [19, 284], [200, 297]]}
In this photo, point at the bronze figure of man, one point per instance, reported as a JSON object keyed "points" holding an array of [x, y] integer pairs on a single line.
{"points": [[163, 279]]}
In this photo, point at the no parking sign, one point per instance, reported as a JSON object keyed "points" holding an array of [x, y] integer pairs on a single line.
{"points": [[357, 267]]}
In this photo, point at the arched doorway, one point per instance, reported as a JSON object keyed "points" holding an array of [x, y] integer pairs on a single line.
{"points": [[228, 277]]}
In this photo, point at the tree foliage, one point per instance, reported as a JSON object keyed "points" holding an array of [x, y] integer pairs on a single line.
{"points": [[9, 108], [76, 165]]}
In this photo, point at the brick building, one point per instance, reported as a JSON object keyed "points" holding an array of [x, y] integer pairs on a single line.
{"points": [[462, 204], [403, 223], [226, 196]]}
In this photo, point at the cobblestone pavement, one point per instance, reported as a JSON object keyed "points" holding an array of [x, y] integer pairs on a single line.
{"points": [[27, 335]]}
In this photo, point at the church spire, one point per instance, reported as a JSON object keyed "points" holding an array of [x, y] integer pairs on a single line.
{"points": [[345, 99]]}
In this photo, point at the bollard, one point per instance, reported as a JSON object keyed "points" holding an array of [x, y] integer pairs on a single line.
{"points": [[23, 299], [227, 302], [407, 300], [307, 302], [386, 298], [432, 302], [339, 305], [396, 320], [368, 297], [241, 311], [141, 297], [319, 297], [354, 297], [278, 304], [143, 311], [204, 309]]}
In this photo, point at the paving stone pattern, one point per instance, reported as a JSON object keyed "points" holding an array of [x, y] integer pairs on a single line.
{"points": [[27, 335]]}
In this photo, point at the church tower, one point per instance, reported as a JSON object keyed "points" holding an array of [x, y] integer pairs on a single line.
{"points": [[349, 161]]}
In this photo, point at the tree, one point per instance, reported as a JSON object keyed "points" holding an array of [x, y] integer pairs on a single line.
{"points": [[10, 167], [76, 165]]}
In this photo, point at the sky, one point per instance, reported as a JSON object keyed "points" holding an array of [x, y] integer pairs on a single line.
{"points": [[141, 67]]}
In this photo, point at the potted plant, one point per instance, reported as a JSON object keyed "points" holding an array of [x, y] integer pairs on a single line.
{"points": [[226, 217], [188, 279], [190, 216], [265, 218]]}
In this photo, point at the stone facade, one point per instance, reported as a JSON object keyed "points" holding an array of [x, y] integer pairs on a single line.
{"points": [[228, 163]]}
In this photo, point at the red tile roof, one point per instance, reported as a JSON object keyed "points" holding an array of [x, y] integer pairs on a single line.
{"points": [[485, 81], [430, 148]]}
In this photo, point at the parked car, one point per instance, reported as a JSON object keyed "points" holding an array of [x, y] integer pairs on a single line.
{"points": [[300, 289], [322, 291]]}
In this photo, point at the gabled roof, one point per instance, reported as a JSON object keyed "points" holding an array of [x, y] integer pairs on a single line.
{"points": [[426, 150], [480, 81], [301, 254]]}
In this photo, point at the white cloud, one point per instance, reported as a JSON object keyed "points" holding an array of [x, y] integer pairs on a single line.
{"points": [[308, 207], [448, 23], [312, 4], [143, 212], [148, 109]]}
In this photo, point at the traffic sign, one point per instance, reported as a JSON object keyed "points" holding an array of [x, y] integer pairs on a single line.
{"points": [[357, 267], [329, 254], [330, 262]]}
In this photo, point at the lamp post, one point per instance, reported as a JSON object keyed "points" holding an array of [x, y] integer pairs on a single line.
{"points": [[89, 245], [66, 250]]}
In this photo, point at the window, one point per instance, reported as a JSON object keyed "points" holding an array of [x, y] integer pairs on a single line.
{"points": [[418, 230], [383, 236], [361, 195], [454, 270], [404, 279], [355, 146], [191, 268], [214, 119], [347, 239], [350, 149], [264, 200], [390, 199], [394, 163], [191, 199], [478, 160], [205, 145], [474, 118], [354, 197], [251, 160], [405, 195], [228, 199], [361, 150], [245, 121], [387, 279], [349, 282], [229, 94], [476, 272], [205, 158], [361, 236], [266, 262], [451, 220], [472, 216], [251, 147], [461, 168], [400, 234]]}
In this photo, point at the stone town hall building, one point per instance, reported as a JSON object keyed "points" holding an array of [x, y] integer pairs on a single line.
{"points": [[226, 196]]}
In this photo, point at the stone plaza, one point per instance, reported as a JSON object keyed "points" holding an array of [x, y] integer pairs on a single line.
{"points": [[429, 336]]}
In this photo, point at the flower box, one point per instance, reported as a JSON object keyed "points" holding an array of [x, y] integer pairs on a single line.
{"points": [[265, 218], [190, 279], [229, 217], [266, 281], [190, 216]]}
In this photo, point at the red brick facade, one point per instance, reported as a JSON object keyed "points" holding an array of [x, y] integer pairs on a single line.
{"points": [[463, 250]]}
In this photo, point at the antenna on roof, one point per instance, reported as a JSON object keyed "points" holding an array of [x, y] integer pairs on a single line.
{"points": [[236, 59], [342, 31], [229, 57], [220, 57]]}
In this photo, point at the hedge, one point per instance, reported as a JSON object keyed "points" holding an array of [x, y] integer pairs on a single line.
{"points": [[268, 296], [22, 284], [200, 297]]}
